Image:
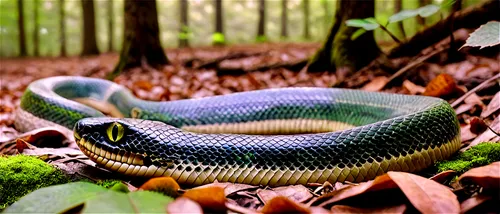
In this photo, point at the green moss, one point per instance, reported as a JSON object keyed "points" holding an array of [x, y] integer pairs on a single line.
{"points": [[108, 183], [479, 155], [22, 174]]}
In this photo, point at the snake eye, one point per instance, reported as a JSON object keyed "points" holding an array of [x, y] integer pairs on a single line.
{"points": [[115, 132]]}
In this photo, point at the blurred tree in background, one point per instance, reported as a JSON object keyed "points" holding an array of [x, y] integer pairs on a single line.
{"points": [[89, 40], [184, 27]]}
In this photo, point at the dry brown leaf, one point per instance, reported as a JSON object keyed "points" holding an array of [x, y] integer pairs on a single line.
{"points": [[485, 136], [442, 177], [442, 85], [465, 133], [348, 209], [230, 188], [485, 176], [52, 137], [281, 204], [211, 199], [413, 88], [296, 193], [473, 202], [492, 107], [165, 185], [427, 196], [376, 84], [183, 205], [477, 126]]}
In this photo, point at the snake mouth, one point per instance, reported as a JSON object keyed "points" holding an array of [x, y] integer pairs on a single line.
{"points": [[121, 161]]}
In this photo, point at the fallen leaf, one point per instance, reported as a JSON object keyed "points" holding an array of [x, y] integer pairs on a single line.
{"points": [[492, 107], [485, 136], [442, 85], [184, 205], [473, 202], [281, 204], [52, 137], [477, 126], [211, 199], [348, 209], [165, 185], [143, 84], [443, 177], [485, 176], [466, 134], [230, 188], [376, 84], [413, 88], [297, 193]]}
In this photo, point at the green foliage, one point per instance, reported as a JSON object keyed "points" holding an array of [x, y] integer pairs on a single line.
{"points": [[186, 33], [480, 155], [218, 38], [485, 36], [94, 198], [21, 175], [108, 183], [367, 24], [261, 39]]}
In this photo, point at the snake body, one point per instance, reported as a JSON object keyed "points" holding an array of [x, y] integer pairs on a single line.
{"points": [[347, 135]]}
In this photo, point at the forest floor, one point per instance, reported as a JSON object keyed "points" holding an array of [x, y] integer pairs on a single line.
{"points": [[202, 72]]}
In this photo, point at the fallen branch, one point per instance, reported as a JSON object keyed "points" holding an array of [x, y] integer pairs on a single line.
{"points": [[295, 65], [477, 88], [214, 62]]}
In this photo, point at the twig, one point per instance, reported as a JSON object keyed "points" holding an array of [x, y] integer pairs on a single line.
{"points": [[390, 34], [414, 64], [477, 88]]}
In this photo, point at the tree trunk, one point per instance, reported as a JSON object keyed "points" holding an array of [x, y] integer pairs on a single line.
{"points": [[89, 39], [110, 25], [36, 29], [338, 50], [261, 28], [20, 25], [142, 40], [284, 18], [398, 4], [306, 19], [62, 28], [184, 25], [219, 24]]}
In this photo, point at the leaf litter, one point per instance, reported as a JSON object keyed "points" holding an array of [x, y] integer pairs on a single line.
{"points": [[216, 71]]}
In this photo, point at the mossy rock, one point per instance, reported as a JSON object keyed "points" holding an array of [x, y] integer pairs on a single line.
{"points": [[22, 174], [479, 155]]}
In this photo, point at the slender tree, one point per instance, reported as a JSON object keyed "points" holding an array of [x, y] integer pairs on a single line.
{"points": [[142, 40], [36, 29], [306, 19], [398, 4], [89, 39], [284, 18], [219, 24], [62, 28], [184, 25], [20, 25], [261, 28], [338, 50], [110, 25]]}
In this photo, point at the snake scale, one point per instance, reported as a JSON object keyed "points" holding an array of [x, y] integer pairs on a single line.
{"points": [[265, 137]]}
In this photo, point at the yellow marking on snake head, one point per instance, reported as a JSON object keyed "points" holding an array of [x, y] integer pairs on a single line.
{"points": [[115, 132]]}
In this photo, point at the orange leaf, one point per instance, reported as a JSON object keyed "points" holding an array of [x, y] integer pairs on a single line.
{"points": [[348, 209], [376, 84], [427, 196], [166, 185], [143, 84], [183, 205], [442, 85], [485, 176], [212, 199], [281, 204], [473, 202], [443, 176], [412, 87]]}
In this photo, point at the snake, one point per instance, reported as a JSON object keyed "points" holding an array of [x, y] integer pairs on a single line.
{"points": [[269, 137]]}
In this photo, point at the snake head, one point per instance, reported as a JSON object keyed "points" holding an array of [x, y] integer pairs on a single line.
{"points": [[125, 141]]}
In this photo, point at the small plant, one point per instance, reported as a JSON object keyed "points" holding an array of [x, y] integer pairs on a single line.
{"points": [[371, 23], [485, 36], [218, 38], [186, 33]]}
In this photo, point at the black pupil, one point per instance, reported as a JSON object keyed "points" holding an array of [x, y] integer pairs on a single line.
{"points": [[114, 131]]}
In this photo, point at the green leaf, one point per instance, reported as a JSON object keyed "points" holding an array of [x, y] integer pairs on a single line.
{"points": [[218, 38], [447, 4], [56, 199], [358, 33], [133, 202], [404, 14], [428, 10], [96, 199], [367, 23], [485, 36]]}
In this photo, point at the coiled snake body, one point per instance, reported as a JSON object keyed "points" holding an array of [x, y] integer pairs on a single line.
{"points": [[347, 135]]}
